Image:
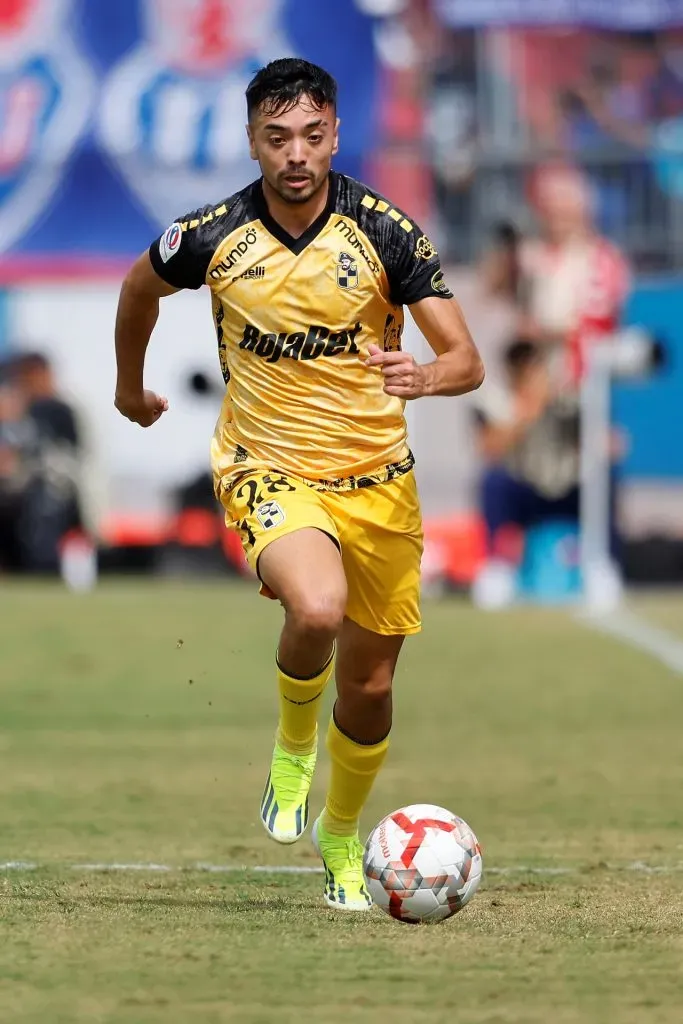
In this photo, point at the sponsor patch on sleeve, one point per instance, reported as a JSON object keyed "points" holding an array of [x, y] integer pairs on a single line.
{"points": [[170, 242], [424, 249], [440, 286]]}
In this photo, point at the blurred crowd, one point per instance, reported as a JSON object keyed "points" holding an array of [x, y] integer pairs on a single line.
{"points": [[538, 301], [41, 464], [564, 144], [610, 101], [563, 288]]}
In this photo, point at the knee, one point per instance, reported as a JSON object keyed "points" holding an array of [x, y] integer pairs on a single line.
{"points": [[318, 616], [375, 689]]}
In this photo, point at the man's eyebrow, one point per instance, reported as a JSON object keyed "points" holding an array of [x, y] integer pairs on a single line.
{"points": [[274, 127]]}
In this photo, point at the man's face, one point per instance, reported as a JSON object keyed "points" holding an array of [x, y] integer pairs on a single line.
{"points": [[295, 149], [563, 206], [36, 381]]}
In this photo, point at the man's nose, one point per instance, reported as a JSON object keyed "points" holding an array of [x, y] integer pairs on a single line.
{"points": [[297, 152]]}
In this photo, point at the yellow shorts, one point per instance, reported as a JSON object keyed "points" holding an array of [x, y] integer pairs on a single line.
{"points": [[378, 530]]}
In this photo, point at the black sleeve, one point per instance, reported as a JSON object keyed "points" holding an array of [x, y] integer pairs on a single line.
{"points": [[412, 263], [181, 256]]}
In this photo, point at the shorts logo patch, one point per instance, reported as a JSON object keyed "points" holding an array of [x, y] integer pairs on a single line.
{"points": [[170, 242], [270, 515]]}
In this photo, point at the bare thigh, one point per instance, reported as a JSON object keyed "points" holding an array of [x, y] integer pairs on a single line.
{"points": [[304, 570], [302, 564]]}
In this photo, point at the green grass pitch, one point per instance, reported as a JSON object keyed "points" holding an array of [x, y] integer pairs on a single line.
{"points": [[136, 726]]}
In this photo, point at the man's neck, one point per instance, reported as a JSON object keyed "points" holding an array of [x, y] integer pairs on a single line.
{"points": [[295, 218]]}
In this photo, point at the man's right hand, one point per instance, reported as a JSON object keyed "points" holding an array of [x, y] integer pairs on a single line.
{"points": [[144, 408]]}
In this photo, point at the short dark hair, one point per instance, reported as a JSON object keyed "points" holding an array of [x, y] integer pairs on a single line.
{"points": [[280, 85], [24, 362], [506, 234], [521, 354]]}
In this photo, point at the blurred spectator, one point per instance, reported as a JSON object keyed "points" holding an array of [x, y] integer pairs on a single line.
{"points": [[452, 128], [54, 418], [490, 292], [575, 282], [611, 104], [610, 113], [501, 268], [18, 461], [528, 435], [40, 467]]}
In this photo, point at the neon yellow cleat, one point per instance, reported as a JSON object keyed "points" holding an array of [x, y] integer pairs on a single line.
{"points": [[342, 858], [284, 807]]}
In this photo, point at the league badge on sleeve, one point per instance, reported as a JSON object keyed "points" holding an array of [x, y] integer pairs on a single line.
{"points": [[170, 242]]}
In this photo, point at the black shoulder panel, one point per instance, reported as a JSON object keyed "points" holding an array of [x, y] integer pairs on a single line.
{"points": [[181, 256], [410, 260]]}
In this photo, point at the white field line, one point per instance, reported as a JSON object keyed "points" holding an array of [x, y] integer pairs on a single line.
{"points": [[634, 631], [636, 867]]}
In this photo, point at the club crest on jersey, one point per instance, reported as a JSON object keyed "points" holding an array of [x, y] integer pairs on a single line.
{"points": [[170, 242], [347, 271], [270, 515]]}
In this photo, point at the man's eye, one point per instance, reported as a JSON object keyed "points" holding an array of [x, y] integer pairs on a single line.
{"points": [[315, 139]]}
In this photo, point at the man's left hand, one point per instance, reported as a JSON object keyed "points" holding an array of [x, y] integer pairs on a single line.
{"points": [[403, 377]]}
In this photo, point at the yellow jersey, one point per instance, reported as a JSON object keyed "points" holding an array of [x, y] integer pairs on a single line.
{"points": [[294, 318]]}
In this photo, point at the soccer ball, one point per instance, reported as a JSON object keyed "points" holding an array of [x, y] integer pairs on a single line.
{"points": [[422, 863]]}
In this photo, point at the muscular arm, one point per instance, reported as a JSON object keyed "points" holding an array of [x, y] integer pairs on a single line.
{"points": [[457, 368], [136, 318]]}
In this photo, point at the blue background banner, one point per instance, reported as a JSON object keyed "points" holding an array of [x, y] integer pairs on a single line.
{"points": [[115, 118]]}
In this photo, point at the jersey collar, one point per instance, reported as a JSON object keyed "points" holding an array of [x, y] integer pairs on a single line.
{"points": [[295, 245]]}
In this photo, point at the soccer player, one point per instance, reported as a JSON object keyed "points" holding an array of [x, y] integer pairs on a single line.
{"points": [[309, 271]]}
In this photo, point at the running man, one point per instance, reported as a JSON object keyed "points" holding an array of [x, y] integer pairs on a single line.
{"points": [[309, 271]]}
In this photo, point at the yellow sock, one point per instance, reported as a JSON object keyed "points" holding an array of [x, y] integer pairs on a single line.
{"points": [[299, 705], [354, 769]]}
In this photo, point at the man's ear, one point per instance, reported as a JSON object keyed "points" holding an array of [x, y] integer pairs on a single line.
{"points": [[252, 145]]}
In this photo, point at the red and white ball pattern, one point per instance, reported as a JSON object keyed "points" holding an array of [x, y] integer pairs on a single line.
{"points": [[422, 863]]}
